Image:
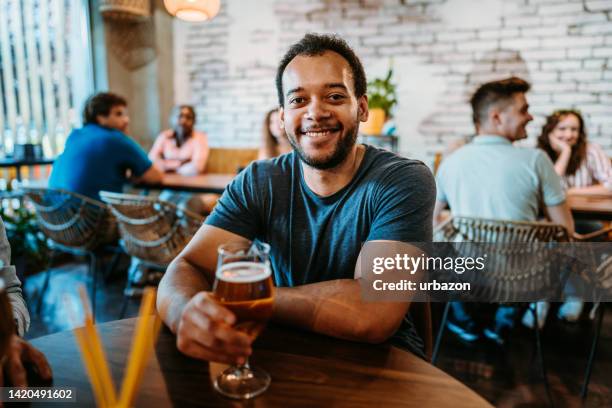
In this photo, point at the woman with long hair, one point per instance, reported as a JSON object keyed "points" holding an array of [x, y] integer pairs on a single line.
{"points": [[581, 164], [274, 140]]}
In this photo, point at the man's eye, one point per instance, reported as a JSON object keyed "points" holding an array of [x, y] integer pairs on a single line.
{"points": [[336, 97], [297, 100]]}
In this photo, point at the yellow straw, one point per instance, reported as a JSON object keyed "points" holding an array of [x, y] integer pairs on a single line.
{"points": [[142, 347], [90, 366], [97, 352]]}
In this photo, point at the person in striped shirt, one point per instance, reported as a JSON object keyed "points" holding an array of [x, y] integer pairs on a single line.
{"points": [[582, 165]]}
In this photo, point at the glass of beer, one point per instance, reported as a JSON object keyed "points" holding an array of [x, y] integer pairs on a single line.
{"points": [[243, 284]]}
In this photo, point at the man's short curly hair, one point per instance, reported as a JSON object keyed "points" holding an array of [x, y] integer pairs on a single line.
{"points": [[101, 104], [317, 44]]}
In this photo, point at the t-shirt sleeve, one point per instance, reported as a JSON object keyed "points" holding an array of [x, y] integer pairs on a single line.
{"points": [[440, 193], [132, 155], [404, 208], [550, 182], [237, 210]]}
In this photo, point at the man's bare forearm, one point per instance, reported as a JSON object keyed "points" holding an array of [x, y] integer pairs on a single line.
{"points": [[335, 308], [179, 284]]}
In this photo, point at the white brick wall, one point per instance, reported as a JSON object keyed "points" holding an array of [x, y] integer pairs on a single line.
{"points": [[564, 47]]}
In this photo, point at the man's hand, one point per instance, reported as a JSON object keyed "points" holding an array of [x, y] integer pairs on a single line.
{"points": [[19, 353], [205, 332]]}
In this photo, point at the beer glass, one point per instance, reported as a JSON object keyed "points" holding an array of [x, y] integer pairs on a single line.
{"points": [[243, 284]]}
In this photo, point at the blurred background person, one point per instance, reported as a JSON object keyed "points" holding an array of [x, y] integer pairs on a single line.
{"points": [[181, 149], [99, 155], [274, 141], [583, 166], [17, 356], [580, 163]]}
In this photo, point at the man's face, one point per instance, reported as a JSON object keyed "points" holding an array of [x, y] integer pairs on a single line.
{"points": [[117, 118], [321, 113], [185, 121], [514, 118]]}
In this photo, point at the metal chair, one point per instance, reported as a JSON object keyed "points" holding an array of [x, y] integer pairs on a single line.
{"points": [[74, 224], [152, 230], [515, 274]]}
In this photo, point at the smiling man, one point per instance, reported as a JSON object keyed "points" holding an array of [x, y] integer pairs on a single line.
{"points": [[315, 206]]}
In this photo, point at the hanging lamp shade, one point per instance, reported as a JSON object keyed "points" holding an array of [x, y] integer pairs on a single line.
{"points": [[193, 10]]}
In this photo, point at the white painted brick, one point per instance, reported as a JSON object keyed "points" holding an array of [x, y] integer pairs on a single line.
{"points": [[560, 9], [521, 43], [476, 45], [544, 31], [498, 33], [544, 77], [541, 87], [569, 42], [561, 65], [573, 98], [456, 36], [542, 54], [602, 52], [598, 87], [579, 52], [594, 64], [522, 21], [599, 5], [598, 28], [607, 75], [582, 75], [575, 19], [381, 40]]}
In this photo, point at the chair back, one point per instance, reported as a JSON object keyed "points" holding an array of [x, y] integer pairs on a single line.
{"points": [[521, 263], [226, 160], [152, 230], [70, 219]]}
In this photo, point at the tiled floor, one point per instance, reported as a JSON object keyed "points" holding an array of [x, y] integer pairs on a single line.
{"points": [[505, 376]]}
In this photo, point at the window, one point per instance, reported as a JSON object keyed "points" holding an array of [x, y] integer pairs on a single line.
{"points": [[45, 71]]}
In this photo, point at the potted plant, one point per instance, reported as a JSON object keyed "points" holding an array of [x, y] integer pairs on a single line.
{"points": [[29, 250], [381, 99]]}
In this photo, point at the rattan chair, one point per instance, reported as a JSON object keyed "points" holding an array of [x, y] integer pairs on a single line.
{"points": [[74, 224], [152, 230], [515, 274]]}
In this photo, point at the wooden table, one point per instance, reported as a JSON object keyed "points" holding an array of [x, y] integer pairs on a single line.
{"points": [[202, 183], [307, 370], [591, 206]]}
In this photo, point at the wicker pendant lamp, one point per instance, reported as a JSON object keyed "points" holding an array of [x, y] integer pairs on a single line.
{"points": [[193, 10]]}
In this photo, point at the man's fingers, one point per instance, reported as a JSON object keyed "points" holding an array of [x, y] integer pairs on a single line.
{"points": [[213, 309], [15, 371], [40, 361]]}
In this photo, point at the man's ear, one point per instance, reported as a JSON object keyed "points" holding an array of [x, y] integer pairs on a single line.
{"points": [[362, 107], [281, 116]]}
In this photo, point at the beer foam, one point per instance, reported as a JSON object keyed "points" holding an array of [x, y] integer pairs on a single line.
{"points": [[243, 272]]}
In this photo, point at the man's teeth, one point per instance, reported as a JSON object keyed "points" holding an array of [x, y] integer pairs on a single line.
{"points": [[318, 133]]}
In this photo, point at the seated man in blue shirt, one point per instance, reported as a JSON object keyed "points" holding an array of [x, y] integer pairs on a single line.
{"points": [[98, 156], [315, 206]]}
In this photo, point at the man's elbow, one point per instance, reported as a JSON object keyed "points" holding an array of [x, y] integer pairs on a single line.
{"points": [[376, 331]]}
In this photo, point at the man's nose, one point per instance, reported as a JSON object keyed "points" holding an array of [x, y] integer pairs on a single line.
{"points": [[317, 110]]}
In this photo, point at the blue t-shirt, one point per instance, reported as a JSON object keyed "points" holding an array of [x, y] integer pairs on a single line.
{"points": [[315, 238], [97, 158]]}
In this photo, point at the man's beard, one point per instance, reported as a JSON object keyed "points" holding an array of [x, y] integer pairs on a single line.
{"points": [[341, 151]]}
